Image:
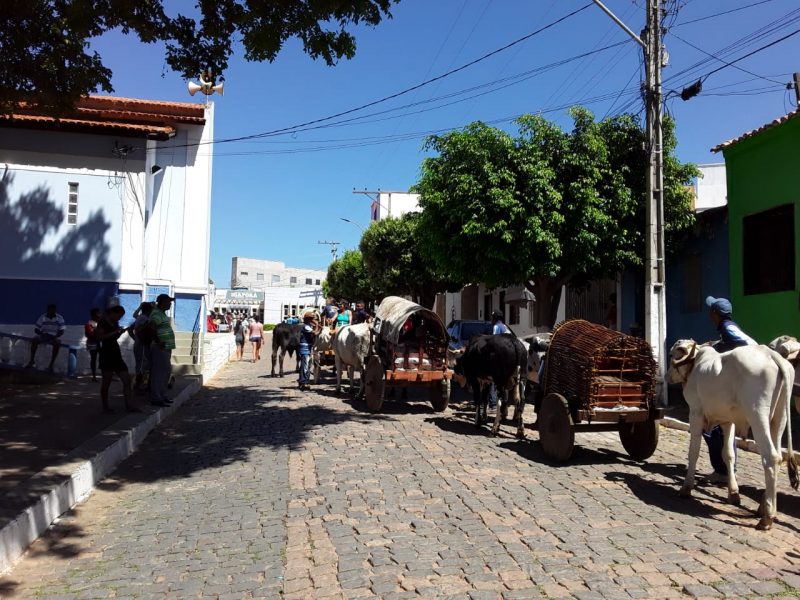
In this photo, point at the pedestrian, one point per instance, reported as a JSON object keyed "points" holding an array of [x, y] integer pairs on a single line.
{"points": [[238, 337], [229, 320], [91, 343], [211, 325], [308, 334], [329, 313], [142, 340], [498, 328], [48, 329], [730, 336], [344, 316], [161, 350], [361, 315], [256, 334], [107, 334]]}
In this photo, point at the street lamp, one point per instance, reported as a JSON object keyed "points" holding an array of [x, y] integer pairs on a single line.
{"points": [[353, 223]]}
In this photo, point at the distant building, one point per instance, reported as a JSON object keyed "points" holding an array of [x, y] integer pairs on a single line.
{"points": [[393, 204], [112, 199], [272, 304], [258, 274], [763, 212]]}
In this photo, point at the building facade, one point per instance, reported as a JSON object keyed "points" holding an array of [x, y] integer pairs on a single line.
{"points": [[763, 219], [110, 201], [272, 304], [258, 274], [393, 204]]}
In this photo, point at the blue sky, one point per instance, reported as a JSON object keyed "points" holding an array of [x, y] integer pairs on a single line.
{"points": [[273, 198]]}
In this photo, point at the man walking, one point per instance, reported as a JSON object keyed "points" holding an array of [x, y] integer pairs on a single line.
{"points": [[161, 351], [498, 328], [48, 329]]}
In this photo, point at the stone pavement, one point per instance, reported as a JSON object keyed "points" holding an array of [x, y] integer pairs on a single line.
{"points": [[254, 490]]}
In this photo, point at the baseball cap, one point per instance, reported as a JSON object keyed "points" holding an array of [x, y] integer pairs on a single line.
{"points": [[722, 305], [161, 297]]}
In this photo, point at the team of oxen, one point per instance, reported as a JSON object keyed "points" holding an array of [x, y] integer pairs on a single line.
{"points": [[747, 388]]}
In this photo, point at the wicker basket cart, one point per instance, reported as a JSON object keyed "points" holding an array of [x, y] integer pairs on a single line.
{"points": [[408, 349], [597, 379]]}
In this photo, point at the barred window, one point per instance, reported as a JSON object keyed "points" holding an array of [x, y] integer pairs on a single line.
{"points": [[72, 204]]}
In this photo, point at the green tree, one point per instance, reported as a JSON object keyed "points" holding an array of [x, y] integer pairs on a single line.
{"points": [[546, 207], [48, 58], [392, 256], [348, 277]]}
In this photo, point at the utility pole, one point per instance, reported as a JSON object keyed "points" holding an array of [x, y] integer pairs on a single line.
{"points": [[655, 308], [333, 245], [796, 77]]}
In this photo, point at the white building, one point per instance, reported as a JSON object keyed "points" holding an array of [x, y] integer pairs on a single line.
{"points": [[113, 199], [259, 274], [711, 188], [393, 204], [272, 304]]}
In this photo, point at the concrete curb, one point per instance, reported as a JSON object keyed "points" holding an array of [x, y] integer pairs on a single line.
{"points": [[107, 450], [743, 444]]}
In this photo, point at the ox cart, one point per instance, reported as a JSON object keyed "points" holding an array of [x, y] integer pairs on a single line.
{"points": [[597, 379], [408, 348]]}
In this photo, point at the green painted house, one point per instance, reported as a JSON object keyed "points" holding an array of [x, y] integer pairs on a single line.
{"points": [[763, 172]]}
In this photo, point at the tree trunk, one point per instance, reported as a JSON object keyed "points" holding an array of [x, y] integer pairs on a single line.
{"points": [[548, 295]]}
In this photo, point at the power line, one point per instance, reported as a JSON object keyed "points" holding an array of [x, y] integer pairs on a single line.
{"points": [[749, 54], [401, 92], [719, 14]]}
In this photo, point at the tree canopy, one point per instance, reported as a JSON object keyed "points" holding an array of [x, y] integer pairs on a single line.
{"points": [[545, 207], [348, 278], [391, 252], [48, 58]]}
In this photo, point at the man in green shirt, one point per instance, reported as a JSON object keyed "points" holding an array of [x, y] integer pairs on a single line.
{"points": [[161, 351]]}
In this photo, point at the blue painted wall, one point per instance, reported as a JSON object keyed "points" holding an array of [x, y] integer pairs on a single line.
{"points": [[187, 312], [26, 299], [130, 301], [710, 245]]}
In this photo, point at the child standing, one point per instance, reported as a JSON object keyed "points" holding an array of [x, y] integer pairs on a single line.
{"points": [[308, 334], [91, 343]]}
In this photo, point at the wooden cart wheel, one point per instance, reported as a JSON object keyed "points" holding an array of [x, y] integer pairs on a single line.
{"points": [[556, 430], [440, 395], [639, 439], [373, 383]]}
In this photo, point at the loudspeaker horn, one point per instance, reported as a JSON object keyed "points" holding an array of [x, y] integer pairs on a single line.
{"points": [[218, 88], [194, 88]]}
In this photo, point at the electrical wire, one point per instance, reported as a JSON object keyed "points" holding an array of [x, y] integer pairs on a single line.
{"points": [[719, 14], [396, 94]]}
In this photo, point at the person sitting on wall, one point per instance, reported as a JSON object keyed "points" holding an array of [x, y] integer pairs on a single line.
{"points": [[48, 329]]}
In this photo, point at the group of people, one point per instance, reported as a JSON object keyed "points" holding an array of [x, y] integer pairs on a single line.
{"points": [[338, 314], [248, 328], [153, 343]]}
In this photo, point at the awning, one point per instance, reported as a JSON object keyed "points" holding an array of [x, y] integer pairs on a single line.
{"points": [[520, 297]]}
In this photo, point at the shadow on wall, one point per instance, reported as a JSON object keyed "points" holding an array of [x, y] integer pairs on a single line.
{"points": [[80, 254]]}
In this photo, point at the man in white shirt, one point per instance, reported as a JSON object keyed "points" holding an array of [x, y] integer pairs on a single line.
{"points": [[48, 329]]}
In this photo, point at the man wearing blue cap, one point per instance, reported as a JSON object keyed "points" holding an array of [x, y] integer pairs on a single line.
{"points": [[731, 336]]}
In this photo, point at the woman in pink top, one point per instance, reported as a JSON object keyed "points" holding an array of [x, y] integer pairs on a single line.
{"points": [[256, 333]]}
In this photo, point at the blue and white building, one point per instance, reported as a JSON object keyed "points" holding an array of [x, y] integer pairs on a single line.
{"points": [[112, 200]]}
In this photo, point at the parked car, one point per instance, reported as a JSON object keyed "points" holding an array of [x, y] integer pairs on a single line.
{"points": [[461, 331]]}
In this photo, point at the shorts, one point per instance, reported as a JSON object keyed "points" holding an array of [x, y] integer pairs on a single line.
{"points": [[44, 338], [255, 338], [239, 340]]}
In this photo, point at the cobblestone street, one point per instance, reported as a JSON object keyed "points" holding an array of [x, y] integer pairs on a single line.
{"points": [[255, 490]]}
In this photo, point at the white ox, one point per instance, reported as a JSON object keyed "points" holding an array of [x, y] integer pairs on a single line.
{"points": [[351, 347], [323, 343], [789, 348], [749, 385]]}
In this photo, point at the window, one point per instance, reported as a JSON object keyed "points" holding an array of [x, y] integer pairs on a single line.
{"points": [[513, 314], [72, 204], [243, 273], [768, 251], [292, 279], [316, 282], [259, 277], [692, 300], [276, 279], [308, 280]]}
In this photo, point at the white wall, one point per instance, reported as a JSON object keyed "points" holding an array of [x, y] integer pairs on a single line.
{"points": [[396, 204], [711, 188], [218, 348], [37, 241], [245, 272]]}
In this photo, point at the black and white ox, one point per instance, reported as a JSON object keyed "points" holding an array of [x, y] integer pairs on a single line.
{"points": [[748, 386], [286, 339], [350, 348], [499, 359]]}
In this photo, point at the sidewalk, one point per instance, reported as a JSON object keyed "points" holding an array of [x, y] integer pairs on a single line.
{"points": [[49, 432]]}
